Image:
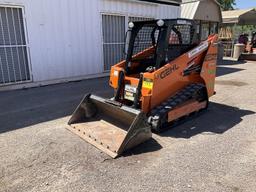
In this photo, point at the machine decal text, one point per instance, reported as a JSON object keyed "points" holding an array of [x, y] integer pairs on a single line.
{"points": [[168, 71]]}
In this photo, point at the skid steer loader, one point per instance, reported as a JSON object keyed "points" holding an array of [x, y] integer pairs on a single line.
{"points": [[167, 74]]}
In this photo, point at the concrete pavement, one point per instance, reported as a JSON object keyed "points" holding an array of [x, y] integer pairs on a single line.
{"points": [[214, 152]]}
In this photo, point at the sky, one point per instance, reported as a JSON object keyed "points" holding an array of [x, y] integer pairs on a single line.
{"points": [[244, 4]]}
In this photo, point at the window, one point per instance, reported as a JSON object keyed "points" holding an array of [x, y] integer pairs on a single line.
{"points": [[14, 64], [214, 28], [205, 31], [113, 39]]}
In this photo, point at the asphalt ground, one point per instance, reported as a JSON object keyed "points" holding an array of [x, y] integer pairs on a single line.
{"points": [[214, 152]]}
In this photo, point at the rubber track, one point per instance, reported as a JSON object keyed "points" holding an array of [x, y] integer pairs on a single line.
{"points": [[180, 97]]}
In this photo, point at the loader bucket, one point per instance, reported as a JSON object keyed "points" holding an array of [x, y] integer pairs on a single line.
{"points": [[111, 128]]}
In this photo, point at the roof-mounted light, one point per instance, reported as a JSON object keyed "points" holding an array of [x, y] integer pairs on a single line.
{"points": [[130, 25], [160, 23]]}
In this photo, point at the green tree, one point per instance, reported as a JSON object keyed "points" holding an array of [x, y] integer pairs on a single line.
{"points": [[227, 4]]}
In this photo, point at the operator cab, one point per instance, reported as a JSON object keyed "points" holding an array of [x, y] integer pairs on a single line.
{"points": [[152, 44]]}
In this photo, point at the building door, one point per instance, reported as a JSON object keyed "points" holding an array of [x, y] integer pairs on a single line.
{"points": [[114, 28], [14, 62], [113, 39]]}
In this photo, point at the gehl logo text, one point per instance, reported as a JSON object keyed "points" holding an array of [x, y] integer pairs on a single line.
{"points": [[168, 71]]}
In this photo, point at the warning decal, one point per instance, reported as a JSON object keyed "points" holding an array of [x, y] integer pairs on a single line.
{"points": [[198, 49], [147, 83]]}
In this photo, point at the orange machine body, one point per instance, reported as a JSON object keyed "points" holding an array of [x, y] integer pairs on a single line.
{"points": [[160, 84]]}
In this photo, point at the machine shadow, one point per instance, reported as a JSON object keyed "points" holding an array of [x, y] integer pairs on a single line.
{"points": [[221, 71], [147, 147], [24, 108], [231, 62], [217, 119]]}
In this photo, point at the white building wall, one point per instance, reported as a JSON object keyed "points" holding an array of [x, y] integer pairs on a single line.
{"points": [[65, 36]]}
